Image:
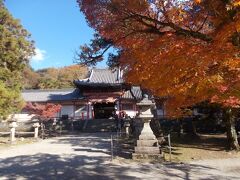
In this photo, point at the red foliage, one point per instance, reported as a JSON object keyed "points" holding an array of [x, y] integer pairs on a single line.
{"points": [[44, 111]]}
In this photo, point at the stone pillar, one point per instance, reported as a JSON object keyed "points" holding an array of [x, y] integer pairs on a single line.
{"points": [[36, 125], [147, 133], [147, 144], [12, 125]]}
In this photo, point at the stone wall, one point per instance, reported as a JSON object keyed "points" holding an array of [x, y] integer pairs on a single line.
{"points": [[22, 126]]}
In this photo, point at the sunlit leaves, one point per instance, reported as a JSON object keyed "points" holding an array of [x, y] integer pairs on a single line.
{"points": [[187, 51]]}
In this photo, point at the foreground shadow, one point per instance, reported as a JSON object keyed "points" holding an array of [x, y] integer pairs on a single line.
{"points": [[89, 159], [49, 166]]}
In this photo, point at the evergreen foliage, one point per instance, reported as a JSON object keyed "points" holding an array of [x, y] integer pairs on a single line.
{"points": [[15, 50]]}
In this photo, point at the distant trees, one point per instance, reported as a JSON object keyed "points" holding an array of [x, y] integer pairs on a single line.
{"points": [[53, 78], [30, 79], [15, 50]]}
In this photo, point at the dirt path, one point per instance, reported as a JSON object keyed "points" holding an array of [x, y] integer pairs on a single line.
{"points": [[87, 156]]}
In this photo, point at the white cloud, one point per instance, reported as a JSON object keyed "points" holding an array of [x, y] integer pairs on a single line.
{"points": [[39, 55]]}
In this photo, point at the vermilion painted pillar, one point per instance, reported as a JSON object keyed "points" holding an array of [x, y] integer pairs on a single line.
{"points": [[88, 111]]}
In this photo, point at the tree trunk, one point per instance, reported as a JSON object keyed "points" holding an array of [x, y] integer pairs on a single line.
{"points": [[194, 129], [180, 129], [231, 130]]}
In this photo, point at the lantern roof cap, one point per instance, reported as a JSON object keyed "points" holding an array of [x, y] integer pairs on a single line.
{"points": [[145, 101]]}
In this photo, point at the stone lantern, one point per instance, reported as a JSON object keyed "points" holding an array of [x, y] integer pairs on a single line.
{"points": [[12, 126], [147, 144]]}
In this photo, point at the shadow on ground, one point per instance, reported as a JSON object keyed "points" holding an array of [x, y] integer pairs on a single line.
{"points": [[95, 163], [49, 166]]}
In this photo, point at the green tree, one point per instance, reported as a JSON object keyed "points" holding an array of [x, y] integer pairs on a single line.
{"points": [[15, 50]]}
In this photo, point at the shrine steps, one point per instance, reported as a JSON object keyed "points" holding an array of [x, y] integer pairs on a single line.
{"points": [[99, 125]]}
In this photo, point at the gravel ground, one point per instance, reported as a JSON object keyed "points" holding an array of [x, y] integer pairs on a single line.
{"points": [[87, 156]]}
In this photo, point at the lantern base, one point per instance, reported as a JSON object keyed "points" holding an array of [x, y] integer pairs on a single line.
{"points": [[148, 157], [147, 146]]}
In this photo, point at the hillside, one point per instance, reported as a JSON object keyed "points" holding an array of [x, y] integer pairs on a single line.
{"points": [[52, 78]]}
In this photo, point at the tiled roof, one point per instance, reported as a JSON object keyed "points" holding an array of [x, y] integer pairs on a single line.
{"points": [[108, 78], [136, 91], [104, 76], [98, 78], [51, 95]]}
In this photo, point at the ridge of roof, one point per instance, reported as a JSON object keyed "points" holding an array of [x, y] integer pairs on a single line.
{"points": [[91, 72], [48, 90], [101, 69]]}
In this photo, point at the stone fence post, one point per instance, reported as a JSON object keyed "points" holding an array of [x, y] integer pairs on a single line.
{"points": [[12, 126], [36, 125]]}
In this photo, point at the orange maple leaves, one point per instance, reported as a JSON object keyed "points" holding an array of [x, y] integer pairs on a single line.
{"points": [[236, 2], [185, 56], [233, 2]]}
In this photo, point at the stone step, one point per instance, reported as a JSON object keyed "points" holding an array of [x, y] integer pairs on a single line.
{"points": [[154, 157], [147, 150], [100, 125], [148, 143]]}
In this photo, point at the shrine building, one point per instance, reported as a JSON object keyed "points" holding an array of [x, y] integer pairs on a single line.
{"points": [[96, 97]]}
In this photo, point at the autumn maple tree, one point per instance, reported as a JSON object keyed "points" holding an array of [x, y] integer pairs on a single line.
{"points": [[43, 111], [188, 51]]}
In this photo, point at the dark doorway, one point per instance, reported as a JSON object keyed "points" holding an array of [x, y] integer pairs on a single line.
{"points": [[103, 110]]}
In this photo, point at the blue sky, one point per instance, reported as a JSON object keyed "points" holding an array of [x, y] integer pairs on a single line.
{"points": [[57, 27]]}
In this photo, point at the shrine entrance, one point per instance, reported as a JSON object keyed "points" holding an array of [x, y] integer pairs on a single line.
{"points": [[103, 110]]}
